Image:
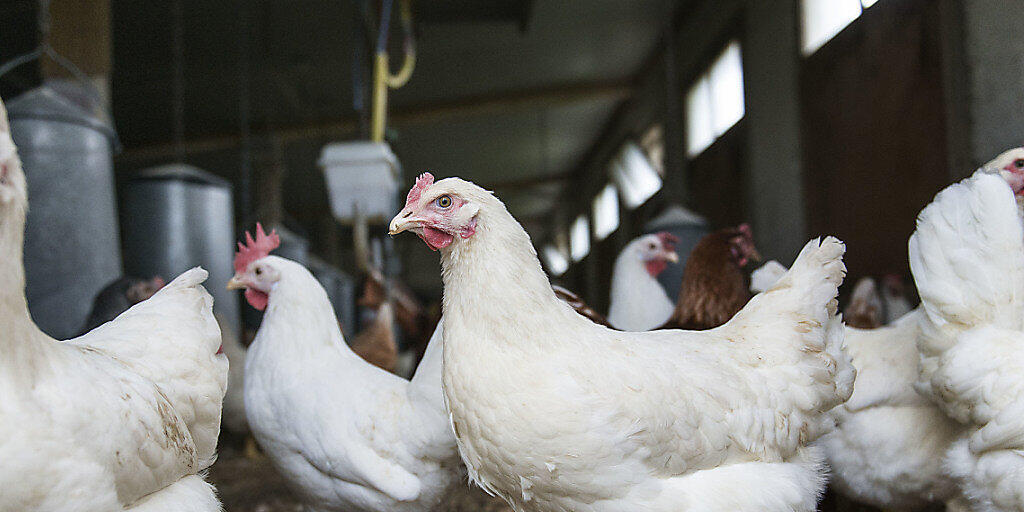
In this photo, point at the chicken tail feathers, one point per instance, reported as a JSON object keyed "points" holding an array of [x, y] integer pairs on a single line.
{"points": [[795, 322], [173, 339]]}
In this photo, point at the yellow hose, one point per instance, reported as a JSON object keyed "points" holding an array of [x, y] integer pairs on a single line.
{"points": [[380, 97], [383, 79]]}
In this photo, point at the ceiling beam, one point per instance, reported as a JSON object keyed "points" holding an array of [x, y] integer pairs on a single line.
{"points": [[476, 105], [519, 184]]}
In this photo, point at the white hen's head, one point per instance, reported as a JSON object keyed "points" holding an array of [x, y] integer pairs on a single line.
{"points": [[443, 213], [1009, 165], [13, 187], [654, 252], [256, 271]]}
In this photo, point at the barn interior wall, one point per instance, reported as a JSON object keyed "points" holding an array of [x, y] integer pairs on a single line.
{"points": [[994, 66]]}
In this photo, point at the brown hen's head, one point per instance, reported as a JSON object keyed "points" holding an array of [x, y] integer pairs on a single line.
{"points": [[741, 245], [714, 283]]}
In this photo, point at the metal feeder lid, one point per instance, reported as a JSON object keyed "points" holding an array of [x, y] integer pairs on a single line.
{"points": [[357, 152], [62, 102], [181, 172], [675, 216]]}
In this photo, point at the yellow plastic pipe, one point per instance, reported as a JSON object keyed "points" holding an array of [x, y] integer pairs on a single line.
{"points": [[383, 79]]}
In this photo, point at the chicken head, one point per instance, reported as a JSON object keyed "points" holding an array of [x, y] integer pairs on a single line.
{"points": [[656, 251], [1009, 165], [741, 245], [439, 213], [253, 273]]}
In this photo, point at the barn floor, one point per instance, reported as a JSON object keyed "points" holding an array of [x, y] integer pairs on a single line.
{"points": [[253, 485]]}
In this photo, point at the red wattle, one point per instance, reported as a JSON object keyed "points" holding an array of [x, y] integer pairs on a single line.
{"points": [[256, 299], [436, 238], [655, 267]]}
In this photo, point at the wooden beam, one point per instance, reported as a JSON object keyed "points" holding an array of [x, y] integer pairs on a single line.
{"points": [[476, 105], [519, 184]]}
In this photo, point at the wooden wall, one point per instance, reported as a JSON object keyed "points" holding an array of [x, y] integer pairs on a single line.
{"points": [[873, 132]]}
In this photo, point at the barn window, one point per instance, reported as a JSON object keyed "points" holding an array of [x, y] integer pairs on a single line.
{"points": [[714, 102], [606, 212], [636, 178], [579, 238], [555, 260], [823, 19]]}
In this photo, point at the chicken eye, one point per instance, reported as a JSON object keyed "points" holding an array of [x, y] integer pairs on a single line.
{"points": [[1019, 163], [651, 246], [444, 201], [259, 271]]}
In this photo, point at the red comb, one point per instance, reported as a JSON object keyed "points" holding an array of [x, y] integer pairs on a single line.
{"points": [[255, 249], [668, 240], [422, 182]]}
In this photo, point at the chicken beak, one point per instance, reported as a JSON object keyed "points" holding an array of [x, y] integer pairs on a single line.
{"points": [[672, 257], [402, 222], [755, 256], [236, 284]]}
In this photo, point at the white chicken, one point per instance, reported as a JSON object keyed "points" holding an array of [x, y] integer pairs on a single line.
{"points": [[376, 442], [553, 412], [967, 258], [638, 301], [889, 442], [123, 418]]}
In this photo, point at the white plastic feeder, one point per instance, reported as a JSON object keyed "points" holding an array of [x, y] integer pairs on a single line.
{"points": [[363, 176]]}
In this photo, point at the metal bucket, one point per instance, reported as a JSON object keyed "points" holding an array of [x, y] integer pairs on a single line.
{"points": [[71, 238], [176, 217], [341, 289]]}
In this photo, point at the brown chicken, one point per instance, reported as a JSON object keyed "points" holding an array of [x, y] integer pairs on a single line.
{"points": [[714, 283], [376, 343], [580, 306], [407, 311]]}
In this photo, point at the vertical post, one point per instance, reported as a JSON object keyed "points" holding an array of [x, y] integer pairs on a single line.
{"points": [[993, 46], [675, 161], [270, 173], [771, 71]]}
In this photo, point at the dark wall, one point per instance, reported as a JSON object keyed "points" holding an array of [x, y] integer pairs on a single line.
{"points": [[717, 180], [20, 35], [873, 126]]}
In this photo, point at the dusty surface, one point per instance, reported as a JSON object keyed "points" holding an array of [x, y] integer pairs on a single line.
{"points": [[253, 485]]}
